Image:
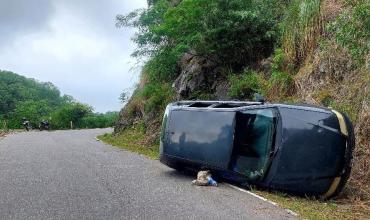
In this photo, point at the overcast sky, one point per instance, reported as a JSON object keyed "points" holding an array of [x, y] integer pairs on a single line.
{"points": [[72, 43]]}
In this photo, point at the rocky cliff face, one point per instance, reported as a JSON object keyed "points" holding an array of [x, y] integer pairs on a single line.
{"points": [[199, 78], [200, 75]]}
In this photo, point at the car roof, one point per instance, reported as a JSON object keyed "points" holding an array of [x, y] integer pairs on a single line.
{"points": [[241, 105]]}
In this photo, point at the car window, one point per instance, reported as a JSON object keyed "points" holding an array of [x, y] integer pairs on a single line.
{"points": [[253, 142]]}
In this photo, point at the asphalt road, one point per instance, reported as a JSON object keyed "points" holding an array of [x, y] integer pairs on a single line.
{"points": [[70, 175]]}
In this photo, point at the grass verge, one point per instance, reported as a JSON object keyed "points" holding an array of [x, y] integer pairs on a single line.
{"points": [[311, 208], [132, 140]]}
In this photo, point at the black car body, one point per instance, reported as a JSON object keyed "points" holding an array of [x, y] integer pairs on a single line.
{"points": [[292, 148]]}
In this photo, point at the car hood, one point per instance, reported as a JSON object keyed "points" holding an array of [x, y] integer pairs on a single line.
{"points": [[310, 146]]}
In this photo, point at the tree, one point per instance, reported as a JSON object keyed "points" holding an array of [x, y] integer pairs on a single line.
{"points": [[124, 96], [15, 89], [73, 112], [32, 111], [22, 97], [236, 32]]}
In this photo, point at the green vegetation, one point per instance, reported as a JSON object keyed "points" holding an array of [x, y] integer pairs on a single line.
{"points": [[99, 120], [280, 85], [301, 27], [352, 30], [133, 140], [311, 208], [15, 89], [246, 85], [156, 96], [235, 33], [22, 97]]}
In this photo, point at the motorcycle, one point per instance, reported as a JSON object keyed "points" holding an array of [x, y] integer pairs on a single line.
{"points": [[44, 125], [26, 124]]}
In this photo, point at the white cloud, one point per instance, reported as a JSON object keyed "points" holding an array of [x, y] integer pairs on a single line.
{"points": [[78, 49]]}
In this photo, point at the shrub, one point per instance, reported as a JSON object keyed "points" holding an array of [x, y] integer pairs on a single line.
{"points": [[163, 67], [246, 85], [156, 96], [280, 84], [301, 28], [135, 106], [279, 62], [34, 111], [73, 112], [236, 31], [98, 120], [325, 97], [352, 31]]}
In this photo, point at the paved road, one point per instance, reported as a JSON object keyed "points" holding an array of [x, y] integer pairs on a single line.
{"points": [[70, 175]]}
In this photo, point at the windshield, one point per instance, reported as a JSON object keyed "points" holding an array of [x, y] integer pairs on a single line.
{"points": [[254, 137]]}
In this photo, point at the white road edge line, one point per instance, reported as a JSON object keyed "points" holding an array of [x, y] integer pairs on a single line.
{"points": [[261, 198]]}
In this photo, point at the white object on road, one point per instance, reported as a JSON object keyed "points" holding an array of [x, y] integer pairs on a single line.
{"points": [[204, 178]]}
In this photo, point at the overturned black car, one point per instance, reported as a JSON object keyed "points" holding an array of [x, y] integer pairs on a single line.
{"points": [[299, 149]]}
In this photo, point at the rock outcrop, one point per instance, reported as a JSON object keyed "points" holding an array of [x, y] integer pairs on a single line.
{"points": [[200, 75]]}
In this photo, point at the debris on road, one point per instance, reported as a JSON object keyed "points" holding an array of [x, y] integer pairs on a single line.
{"points": [[204, 178], [2, 133]]}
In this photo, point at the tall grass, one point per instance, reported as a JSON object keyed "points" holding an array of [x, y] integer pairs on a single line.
{"points": [[301, 28]]}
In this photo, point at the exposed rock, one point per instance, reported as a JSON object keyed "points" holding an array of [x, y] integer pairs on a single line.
{"points": [[266, 66], [221, 90], [199, 74]]}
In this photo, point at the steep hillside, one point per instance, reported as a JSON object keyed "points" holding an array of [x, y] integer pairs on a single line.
{"points": [[337, 74], [310, 51]]}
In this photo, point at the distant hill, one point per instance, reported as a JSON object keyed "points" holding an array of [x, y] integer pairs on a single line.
{"points": [[24, 97], [15, 89]]}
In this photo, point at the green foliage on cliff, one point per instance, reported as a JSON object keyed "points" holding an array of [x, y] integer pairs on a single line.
{"points": [[234, 31], [281, 83], [244, 86], [352, 30], [301, 26]]}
